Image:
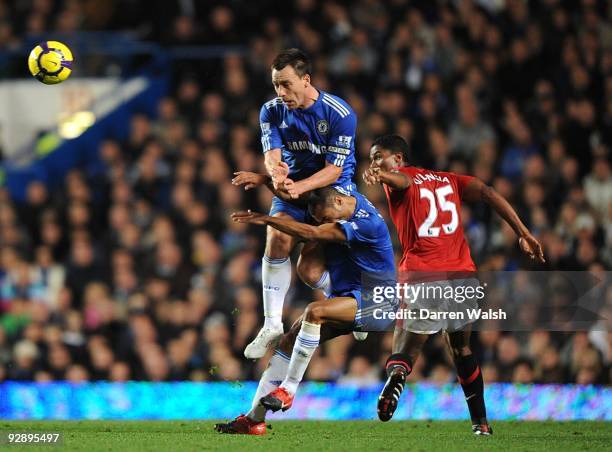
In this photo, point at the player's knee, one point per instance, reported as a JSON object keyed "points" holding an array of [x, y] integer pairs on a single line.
{"points": [[278, 244], [314, 313], [309, 272]]}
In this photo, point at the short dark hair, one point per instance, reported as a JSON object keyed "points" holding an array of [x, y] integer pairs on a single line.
{"points": [[395, 144], [322, 197], [295, 58]]}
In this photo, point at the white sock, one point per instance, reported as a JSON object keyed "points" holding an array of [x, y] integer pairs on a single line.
{"points": [[275, 278], [269, 381], [305, 345], [324, 284]]}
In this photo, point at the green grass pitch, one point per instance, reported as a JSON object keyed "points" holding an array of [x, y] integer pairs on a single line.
{"points": [[319, 436]]}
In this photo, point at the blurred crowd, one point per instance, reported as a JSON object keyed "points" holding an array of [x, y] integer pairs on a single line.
{"points": [[132, 270]]}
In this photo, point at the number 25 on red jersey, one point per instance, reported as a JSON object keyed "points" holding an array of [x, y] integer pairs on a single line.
{"points": [[438, 202]]}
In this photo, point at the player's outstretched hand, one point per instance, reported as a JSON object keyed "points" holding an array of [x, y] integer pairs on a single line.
{"points": [[371, 176], [280, 173], [248, 217], [248, 179], [531, 247]]}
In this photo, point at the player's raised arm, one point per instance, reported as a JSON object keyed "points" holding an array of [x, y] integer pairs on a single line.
{"points": [[476, 190], [272, 144], [329, 232], [272, 160], [394, 179]]}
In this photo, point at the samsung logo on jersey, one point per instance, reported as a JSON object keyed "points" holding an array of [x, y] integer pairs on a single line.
{"points": [[316, 148], [420, 178], [306, 146]]}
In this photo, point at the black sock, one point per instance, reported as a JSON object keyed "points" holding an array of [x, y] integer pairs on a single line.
{"points": [[398, 360], [470, 378]]}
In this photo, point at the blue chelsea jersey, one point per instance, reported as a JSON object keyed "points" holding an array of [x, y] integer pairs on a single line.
{"points": [[366, 258], [323, 132]]}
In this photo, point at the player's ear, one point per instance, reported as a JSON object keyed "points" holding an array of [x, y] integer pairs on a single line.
{"points": [[306, 80]]}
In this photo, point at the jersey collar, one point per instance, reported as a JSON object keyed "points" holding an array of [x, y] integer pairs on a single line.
{"points": [[357, 205], [315, 105]]}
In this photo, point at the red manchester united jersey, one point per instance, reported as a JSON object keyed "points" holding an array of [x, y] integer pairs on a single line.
{"points": [[427, 216]]}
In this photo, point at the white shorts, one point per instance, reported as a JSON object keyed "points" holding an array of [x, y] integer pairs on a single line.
{"points": [[448, 305]]}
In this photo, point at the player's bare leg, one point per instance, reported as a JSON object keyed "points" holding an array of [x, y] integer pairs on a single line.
{"points": [[407, 347], [276, 279], [470, 379], [311, 269], [339, 311]]}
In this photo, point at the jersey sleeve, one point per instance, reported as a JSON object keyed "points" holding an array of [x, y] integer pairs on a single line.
{"points": [[462, 182], [341, 139], [270, 136], [394, 197], [359, 230]]}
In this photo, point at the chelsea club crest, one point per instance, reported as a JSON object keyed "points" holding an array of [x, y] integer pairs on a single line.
{"points": [[322, 127]]}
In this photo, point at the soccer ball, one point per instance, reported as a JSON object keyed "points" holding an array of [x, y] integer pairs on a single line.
{"points": [[50, 62]]}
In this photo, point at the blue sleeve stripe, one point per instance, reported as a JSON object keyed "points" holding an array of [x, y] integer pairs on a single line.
{"points": [[340, 160], [273, 102], [265, 142], [348, 230], [337, 103], [339, 107], [335, 108], [339, 189]]}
